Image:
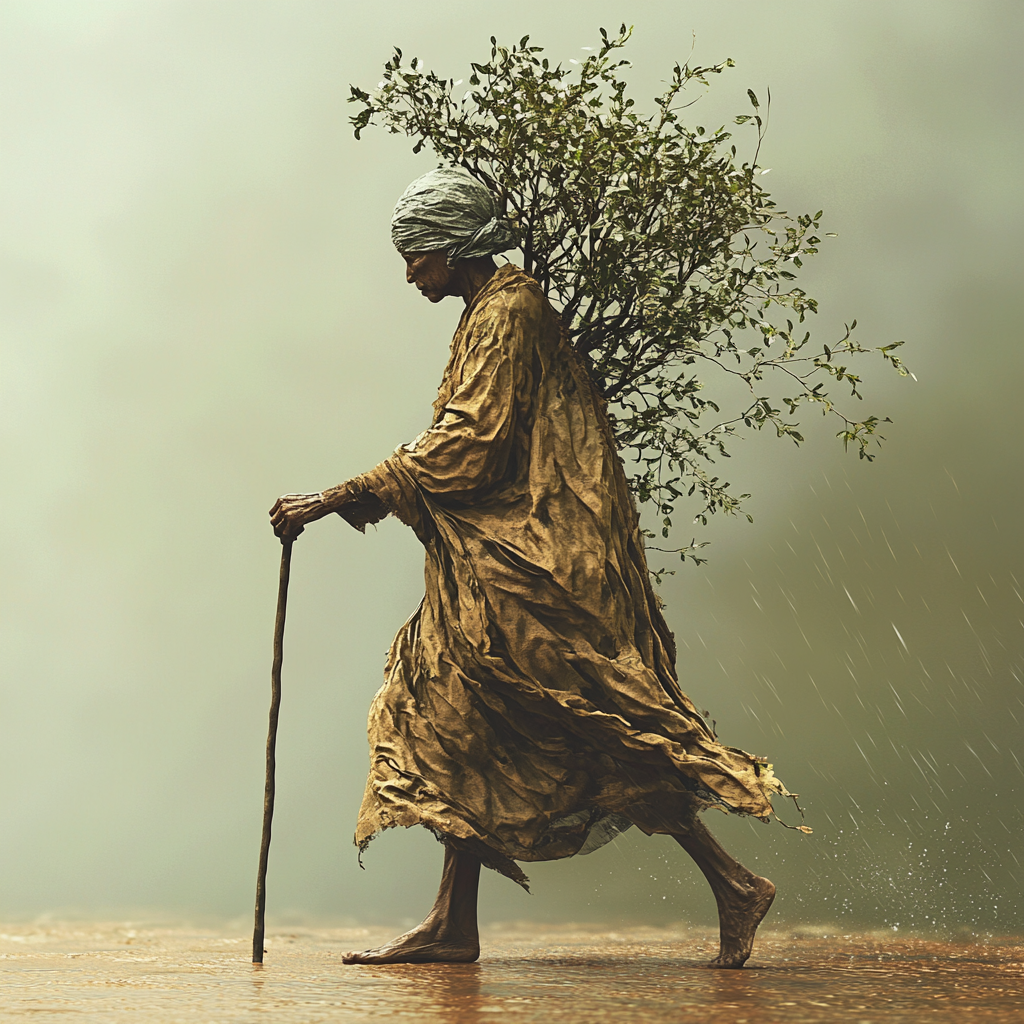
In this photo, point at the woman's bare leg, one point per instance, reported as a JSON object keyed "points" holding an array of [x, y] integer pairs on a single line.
{"points": [[449, 933], [743, 898]]}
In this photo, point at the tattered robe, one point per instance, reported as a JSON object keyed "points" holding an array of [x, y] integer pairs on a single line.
{"points": [[530, 708]]}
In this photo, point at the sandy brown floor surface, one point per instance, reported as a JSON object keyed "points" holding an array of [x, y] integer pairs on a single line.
{"points": [[151, 975]]}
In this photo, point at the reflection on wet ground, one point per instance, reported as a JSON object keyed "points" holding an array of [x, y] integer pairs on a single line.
{"points": [[115, 973]]}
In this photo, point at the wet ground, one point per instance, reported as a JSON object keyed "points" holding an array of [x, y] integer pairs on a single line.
{"points": [[115, 973]]}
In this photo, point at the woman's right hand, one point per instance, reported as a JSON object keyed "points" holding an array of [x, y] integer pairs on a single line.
{"points": [[291, 513], [355, 504]]}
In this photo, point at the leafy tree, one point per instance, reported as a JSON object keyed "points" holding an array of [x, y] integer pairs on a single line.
{"points": [[664, 255]]}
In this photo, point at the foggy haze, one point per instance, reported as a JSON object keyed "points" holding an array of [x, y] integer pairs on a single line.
{"points": [[202, 310]]}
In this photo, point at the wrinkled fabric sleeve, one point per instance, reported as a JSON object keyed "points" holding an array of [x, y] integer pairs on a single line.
{"points": [[464, 455]]}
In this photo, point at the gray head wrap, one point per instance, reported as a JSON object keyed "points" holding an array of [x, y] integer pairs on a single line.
{"points": [[449, 209]]}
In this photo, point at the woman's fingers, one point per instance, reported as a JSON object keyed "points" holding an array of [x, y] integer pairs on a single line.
{"points": [[291, 512], [287, 526]]}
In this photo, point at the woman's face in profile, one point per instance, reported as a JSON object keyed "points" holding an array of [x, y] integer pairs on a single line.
{"points": [[430, 272]]}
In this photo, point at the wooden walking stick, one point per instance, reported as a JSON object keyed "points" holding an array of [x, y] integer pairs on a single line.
{"points": [[275, 707]]}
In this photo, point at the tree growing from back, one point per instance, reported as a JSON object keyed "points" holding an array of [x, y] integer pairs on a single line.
{"points": [[664, 255]]}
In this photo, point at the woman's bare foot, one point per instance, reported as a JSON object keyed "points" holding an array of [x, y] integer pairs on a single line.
{"points": [[743, 898], [428, 943], [739, 914], [449, 935]]}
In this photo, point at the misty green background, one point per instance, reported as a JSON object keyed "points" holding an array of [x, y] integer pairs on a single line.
{"points": [[201, 310]]}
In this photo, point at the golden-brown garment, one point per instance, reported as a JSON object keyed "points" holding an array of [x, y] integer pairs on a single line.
{"points": [[532, 698]]}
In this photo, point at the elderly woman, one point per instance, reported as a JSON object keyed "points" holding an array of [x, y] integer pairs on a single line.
{"points": [[530, 708]]}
